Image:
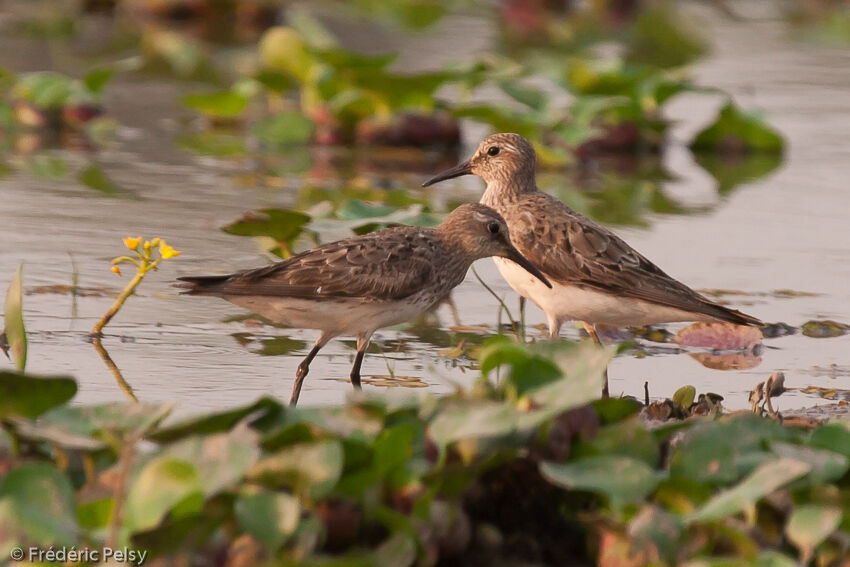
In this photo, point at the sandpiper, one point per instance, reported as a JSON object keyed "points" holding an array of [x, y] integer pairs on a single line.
{"points": [[597, 278], [358, 285]]}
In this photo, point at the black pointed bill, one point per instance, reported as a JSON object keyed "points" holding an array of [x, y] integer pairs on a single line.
{"points": [[464, 168], [514, 255]]}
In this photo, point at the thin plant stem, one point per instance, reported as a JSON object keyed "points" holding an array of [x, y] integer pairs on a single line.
{"points": [[116, 372], [499, 299], [122, 297]]}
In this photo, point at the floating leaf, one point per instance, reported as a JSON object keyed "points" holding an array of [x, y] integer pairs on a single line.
{"points": [[96, 79], [621, 479], [31, 396], [94, 177], [216, 144], [284, 129], [45, 89], [733, 170], [16, 332], [735, 131], [282, 225], [767, 478], [222, 104], [825, 329], [37, 505]]}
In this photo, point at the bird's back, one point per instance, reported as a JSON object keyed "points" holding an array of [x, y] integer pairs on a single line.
{"points": [[577, 253]]}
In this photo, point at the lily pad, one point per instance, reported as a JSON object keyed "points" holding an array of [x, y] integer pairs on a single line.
{"points": [[736, 131]]}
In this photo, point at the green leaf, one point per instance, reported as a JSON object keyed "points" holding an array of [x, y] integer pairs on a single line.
{"points": [[31, 396], [306, 468], [16, 332], [684, 396], [834, 436], [733, 170], [37, 504], [96, 79], [720, 452], [284, 129], [355, 209], [531, 97], [222, 104], [271, 517], [215, 422], [221, 459], [621, 479], [528, 370], [736, 131], [767, 478], [216, 144], [107, 421], [811, 524], [96, 513], [827, 466], [282, 225], [44, 89], [162, 485], [94, 177]]}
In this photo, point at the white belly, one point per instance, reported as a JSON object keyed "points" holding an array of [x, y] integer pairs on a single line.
{"points": [[335, 317], [570, 303]]}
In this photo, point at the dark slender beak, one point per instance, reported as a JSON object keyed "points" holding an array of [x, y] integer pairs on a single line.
{"points": [[464, 168], [513, 254]]}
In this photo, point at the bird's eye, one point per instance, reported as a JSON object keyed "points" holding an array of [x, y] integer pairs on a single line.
{"points": [[493, 151], [493, 227]]}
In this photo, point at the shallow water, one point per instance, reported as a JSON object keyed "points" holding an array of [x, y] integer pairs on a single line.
{"points": [[788, 230]]}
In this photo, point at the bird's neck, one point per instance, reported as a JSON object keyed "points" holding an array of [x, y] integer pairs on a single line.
{"points": [[507, 190]]}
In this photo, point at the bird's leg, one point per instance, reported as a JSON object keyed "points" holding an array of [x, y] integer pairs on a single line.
{"points": [[304, 368], [591, 330], [453, 308], [522, 317], [554, 328], [362, 345]]}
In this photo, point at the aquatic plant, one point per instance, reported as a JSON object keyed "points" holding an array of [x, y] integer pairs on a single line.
{"points": [[525, 466], [14, 337], [148, 255]]}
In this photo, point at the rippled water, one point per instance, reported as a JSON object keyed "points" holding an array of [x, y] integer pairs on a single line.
{"points": [[786, 231]]}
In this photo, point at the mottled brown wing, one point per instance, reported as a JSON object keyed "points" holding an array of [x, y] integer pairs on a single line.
{"points": [[391, 264], [572, 249]]}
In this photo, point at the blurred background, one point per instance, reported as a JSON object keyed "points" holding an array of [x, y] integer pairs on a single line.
{"points": [[712, 136]]}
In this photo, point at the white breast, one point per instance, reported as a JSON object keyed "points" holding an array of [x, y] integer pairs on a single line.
{"points": [[571, 303]]}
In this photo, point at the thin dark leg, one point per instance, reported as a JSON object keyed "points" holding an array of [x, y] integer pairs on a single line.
{"points": [[591, 330], [522, 317], [303, 369], [362, 345]]}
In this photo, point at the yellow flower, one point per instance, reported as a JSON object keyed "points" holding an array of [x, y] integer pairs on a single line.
{"points": [[116, 270], [167, 251], [156, 242], [132, 243]]}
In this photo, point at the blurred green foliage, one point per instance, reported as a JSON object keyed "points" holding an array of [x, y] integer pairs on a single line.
{"points": [[406, 480]]}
